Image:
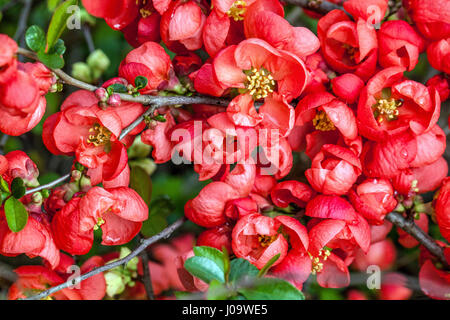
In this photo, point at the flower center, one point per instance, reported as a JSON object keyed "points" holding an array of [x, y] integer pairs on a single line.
{"points": [[387, 109], [266, 240], [259, 83], [351, 51], [145, 13], [322, 122], [100, 222], [237, 10], [317, 265], [100, 136]]}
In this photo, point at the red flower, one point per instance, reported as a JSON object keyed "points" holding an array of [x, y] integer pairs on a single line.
{"points": [[267, 23], [373, 198], [158, 137], [439, 55], [441, 84], [291, 191], [259, 69], [334, 170], [22, 101], [90, 133], [431, 18], [399, 45], [151, 61], [34, 240], [442, 209], [390, 105], [381, 254], [182, 25], [207, 209], [394, 287], [348, 46], [118, 211], [372, 11], [217, 237], [323, 119], [19, 165], [408, 241], [138, 20], [257, 238], [434, 282], [347, 87]]}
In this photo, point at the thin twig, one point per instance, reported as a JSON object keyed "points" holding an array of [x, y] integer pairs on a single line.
{"points": [[320, 6], [147, 277], [88, 38], [424, 239], [166, 233], [23, 19], [157, 101], [49, 185]]}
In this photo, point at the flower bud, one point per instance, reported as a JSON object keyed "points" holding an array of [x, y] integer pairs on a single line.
{"points": [[81, 71], [98, 60], [101, 94], [114, 100]]}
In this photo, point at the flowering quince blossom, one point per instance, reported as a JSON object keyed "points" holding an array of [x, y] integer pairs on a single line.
{"points": [[22, 90], [119, 212], [85, 130]]}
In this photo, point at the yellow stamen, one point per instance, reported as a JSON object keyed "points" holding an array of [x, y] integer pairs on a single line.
{"points": [[387, 109], [317, 262], [145, 13], [101, 135], [265, 240], [322, 122], [100, 222], [237, 10], [260, 83]]}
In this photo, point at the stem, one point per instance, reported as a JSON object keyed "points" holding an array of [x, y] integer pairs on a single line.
{"points": [[319, 6], [147, 277], [23, 19], [157, 101], [424, 239], [49, 185], [166, 233], [88, 38]]}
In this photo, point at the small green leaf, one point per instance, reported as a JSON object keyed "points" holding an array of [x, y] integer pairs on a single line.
{"points": [[35, 38], [162, 206], [52, 4], [58, 22], [17, 188], [153, 225], [53, 61], [59, 47], [271, 289], [4, 185], [141, 182], [217, 291], [269, 263], [117, 88], [16, 214], [140, 82], [240, 268], [204, 269], [212, 254]]}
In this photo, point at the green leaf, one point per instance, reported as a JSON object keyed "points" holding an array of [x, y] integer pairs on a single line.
{"points": [[53, 61], [212, 254], [217, 291], [16, 214], [153, 225], [52, 4], [117, 87], [162, 206], [141, 182], [140, 82], [240, 268], [59, 47], [4, 185], [269, 263], [58, 22], [35, 38], [204, 269], [271, 289], [17, 188]]}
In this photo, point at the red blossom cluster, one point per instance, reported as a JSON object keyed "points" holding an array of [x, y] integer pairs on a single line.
{"points": [[342, 99]]}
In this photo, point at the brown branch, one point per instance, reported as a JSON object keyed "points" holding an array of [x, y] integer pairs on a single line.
{"points": [[424, 239], [166, 233], [147, 277], [319, 6]]}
